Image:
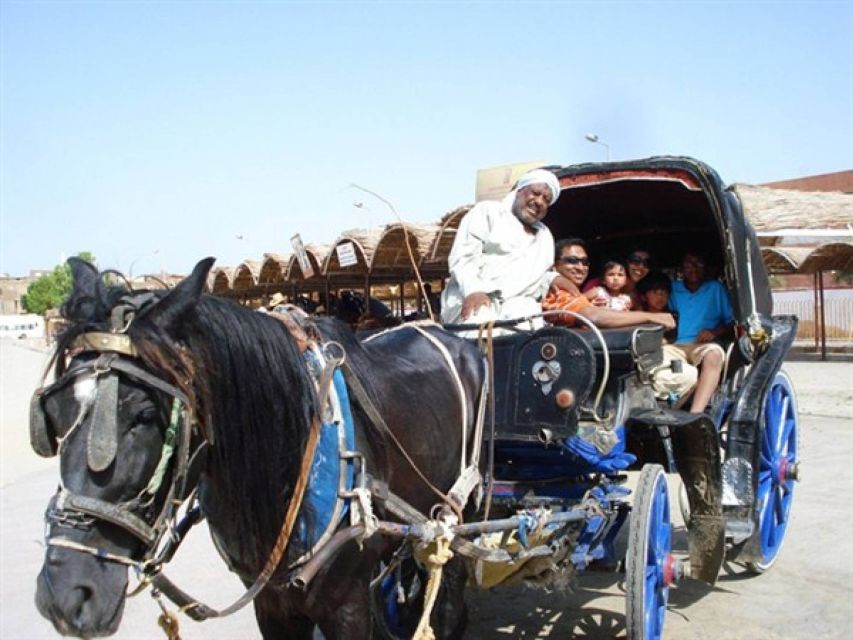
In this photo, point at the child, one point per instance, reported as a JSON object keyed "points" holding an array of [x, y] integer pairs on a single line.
{"points": [[611, 293], [675, 377]]}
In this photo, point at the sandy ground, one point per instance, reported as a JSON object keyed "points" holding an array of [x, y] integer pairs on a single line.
{"points": [[807, 594]]}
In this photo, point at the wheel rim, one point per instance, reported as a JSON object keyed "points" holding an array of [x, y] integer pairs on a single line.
{"points": [[778, 454], [659, 537]]}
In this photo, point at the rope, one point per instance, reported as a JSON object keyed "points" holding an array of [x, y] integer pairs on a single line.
{"points": [[437, 553], [487, 347], [167, 620]]}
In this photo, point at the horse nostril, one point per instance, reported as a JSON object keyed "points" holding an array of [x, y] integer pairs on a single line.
{"points": [[79, 601]]}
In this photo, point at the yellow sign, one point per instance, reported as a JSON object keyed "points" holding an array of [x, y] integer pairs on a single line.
{"points": [[495, 183]]}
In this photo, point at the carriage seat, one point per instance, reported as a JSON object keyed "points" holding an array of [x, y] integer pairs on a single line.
{"points": [[542, 378], [638, 347]]}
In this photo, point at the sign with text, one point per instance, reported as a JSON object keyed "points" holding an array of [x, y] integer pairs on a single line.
{"points": [[495, 183], [301, 256], [346, 254]]}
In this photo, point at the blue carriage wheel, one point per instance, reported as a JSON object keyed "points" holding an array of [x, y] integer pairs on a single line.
{"points": [[778, 469], [650, 568]]}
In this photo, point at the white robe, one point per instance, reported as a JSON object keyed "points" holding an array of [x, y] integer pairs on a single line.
{"points": [[493, 253]]}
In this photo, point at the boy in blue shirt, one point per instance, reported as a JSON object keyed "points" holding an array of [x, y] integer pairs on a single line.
{"points": [[704, 315]]}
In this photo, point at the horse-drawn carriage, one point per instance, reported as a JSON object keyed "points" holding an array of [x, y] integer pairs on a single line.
{"points": [[167, 408]]}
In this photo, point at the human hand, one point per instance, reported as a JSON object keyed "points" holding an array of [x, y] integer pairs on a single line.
{"points": [[561, 283], [473, 302], [664, 319], [706, 335], [597, 296]]}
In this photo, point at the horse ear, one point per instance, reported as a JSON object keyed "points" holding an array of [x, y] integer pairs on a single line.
{"points": [[84, 300], [183, 298]]}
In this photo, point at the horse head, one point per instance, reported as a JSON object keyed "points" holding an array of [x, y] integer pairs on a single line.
{"points": [[122, 429]]}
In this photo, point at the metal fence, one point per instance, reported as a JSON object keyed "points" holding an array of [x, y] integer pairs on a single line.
{"points": [[838, 311]]}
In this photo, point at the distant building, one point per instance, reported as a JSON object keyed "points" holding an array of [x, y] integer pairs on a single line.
{"points": [[12, 290], [838, 181]]}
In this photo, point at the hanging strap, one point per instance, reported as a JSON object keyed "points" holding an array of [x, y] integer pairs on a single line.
{"points": [[200, 611]]}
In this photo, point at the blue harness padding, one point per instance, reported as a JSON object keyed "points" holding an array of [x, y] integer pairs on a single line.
{"points": [[590, 460], [322, 509]]}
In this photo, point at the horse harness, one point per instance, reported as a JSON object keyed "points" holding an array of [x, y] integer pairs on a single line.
{"points": [[184, 446], [71, 510]]}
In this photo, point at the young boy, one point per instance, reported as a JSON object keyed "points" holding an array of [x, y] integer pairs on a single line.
{"points": [[668, 383]]}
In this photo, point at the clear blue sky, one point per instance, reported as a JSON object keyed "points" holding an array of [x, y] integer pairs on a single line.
{"points": [[134, 127]]}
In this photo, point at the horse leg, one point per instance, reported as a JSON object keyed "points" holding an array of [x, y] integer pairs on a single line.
{"points": [[450, 615], [350, 620], [277, 621], [339, 597]]}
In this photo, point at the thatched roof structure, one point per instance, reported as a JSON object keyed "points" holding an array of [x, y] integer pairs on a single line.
{"points": [[391, 256], [246, 275], [443, 241], [799, 259], [317, 254], [781, 209], [222, 277], [364, 243], [273, 269]]}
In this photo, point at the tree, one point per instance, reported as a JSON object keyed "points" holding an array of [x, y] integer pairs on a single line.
{"points": [[51, 290]]}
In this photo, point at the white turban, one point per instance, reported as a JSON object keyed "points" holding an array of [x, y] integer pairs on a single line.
{"points": [[541, 176]]}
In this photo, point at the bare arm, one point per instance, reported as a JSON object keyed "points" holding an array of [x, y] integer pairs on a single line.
{"points": [[609, 319], [563, 283]]}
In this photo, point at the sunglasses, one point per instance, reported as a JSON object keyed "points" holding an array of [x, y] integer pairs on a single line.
{"points": [[574, 260], [635, 259]]}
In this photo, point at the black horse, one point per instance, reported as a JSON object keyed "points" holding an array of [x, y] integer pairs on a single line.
{"points": [[246, 381]]}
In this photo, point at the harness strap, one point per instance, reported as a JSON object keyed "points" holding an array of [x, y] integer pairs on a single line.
{"points": [[199, 611], [377, 419], [112, 513], [460, 388], [98, 553]]}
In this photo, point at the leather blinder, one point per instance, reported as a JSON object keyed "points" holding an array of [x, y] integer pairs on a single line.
{"points": [[42, 442], [102, 442]]}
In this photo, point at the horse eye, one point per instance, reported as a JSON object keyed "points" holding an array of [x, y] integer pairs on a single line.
{"points": [[146, 416]]}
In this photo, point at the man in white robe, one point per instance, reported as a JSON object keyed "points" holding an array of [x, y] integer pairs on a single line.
{"points": [[500, 263]]}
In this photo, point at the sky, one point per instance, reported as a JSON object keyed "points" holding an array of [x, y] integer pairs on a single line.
{"points": [[153, 134]]}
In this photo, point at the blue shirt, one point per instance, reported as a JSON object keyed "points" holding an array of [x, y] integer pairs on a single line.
{"points": [[706, 308]]}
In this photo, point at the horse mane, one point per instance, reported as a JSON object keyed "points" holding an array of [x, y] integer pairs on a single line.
{"points": [[256, 397]]}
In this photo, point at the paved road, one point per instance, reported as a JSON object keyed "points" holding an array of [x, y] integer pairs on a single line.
{"points": [[808, 594]]}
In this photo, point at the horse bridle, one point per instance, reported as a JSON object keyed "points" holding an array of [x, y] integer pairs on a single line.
{"points": [[71, 510]]}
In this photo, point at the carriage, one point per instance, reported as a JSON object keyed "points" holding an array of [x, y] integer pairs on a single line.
{"points": [[172, 407], [571, 402]]}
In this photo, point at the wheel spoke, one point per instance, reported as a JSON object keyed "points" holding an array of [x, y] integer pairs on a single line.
{"points": [[790, 423], [780, 424], [780, 506]]}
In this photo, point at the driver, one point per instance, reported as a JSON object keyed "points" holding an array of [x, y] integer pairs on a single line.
{"points": [[500, 263]]}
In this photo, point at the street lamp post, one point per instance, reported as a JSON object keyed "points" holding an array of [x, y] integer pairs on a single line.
{"points": [[592, 137]]}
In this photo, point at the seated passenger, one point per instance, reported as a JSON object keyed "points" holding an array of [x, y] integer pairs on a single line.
{"points": [[612, 292], [572, 262], [673, 379], [638, 264], [704, 315]]}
